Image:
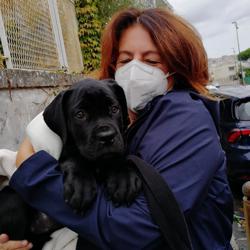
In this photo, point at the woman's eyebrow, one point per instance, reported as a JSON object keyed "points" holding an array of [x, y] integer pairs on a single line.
{"points": [[151, 52], [125, 52]]}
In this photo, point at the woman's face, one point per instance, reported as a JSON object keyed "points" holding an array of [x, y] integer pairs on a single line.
{"points": [[136, 43]]}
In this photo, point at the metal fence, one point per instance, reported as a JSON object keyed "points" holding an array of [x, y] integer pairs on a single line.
{"points": [[31, 35]]}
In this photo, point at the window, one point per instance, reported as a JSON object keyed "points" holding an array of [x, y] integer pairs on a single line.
{"points": [[242, 111], [231, 68]]}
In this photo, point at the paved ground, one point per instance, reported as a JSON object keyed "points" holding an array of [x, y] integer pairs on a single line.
{"points": [[239, 240]]}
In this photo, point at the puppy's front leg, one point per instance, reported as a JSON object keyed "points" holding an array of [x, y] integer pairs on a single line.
{"points": [[122, 183], [80, 187]]}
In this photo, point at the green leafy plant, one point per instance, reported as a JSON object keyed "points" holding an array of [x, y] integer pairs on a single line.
{"points": [[244, 55], [108, 7], [92, 16], [247, 72], [89, 33]]}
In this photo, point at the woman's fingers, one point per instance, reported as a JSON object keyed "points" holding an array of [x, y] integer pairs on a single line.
{"points": [[6, 244], [14, 245], [3, 238]]}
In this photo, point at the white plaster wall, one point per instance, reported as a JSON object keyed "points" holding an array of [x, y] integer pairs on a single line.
{"points": [[17, 111]]}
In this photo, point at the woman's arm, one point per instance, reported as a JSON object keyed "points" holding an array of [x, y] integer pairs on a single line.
{"points": [[8, 163], [24, 152], [40, 182]]}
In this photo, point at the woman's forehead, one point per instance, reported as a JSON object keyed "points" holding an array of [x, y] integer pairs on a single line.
{"points": [[143, 52], [136, 39]]}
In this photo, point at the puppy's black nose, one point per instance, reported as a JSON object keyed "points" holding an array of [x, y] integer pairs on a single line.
{"points": [[106, 135]]}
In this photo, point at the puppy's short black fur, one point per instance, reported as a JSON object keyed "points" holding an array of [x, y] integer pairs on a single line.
{"points": [[91, 118]]}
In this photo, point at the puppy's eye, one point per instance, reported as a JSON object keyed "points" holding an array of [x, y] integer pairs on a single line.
{"points": [[81, 115], [114, 109]]}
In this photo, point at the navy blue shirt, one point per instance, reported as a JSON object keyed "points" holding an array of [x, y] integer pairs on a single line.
{"points": [[178, 136]]}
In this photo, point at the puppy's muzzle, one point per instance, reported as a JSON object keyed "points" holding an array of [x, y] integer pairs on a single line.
{"points": [[106, 135]]}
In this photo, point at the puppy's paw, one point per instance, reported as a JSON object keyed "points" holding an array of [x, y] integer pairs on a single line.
{"points": [[79, 191], [123, 186], [42, 223]]}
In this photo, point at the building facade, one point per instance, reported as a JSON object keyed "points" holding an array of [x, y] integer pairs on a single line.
{"points": [[223, 70]]}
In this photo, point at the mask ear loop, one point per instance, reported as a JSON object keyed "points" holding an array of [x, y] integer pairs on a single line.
{"points": [[169, 74]]}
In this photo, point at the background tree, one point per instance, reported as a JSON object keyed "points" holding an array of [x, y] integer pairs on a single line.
{"points": [[244, 55], [247, 72], [108, 7], [92, 16]]}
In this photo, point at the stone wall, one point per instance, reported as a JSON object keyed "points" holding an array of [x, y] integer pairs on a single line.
{"points": [[24, 94]]}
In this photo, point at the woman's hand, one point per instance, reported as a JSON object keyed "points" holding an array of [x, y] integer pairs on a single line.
{"points": [[24, 152], [6, 244]]}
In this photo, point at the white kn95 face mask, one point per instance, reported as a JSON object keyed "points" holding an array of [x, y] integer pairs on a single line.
{"points": [[141, 83]]}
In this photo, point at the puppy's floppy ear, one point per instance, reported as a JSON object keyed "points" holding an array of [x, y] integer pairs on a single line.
{"points": [[54, 115], [118, 91]]}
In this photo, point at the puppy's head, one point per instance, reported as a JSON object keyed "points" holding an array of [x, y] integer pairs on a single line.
{"points": [[92, 115]]}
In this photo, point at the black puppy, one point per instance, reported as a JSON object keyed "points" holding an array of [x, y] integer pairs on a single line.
{"points": [[91, 118]]}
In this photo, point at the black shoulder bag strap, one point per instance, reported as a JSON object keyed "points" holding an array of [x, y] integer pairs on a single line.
{"points": [[163, 206]]}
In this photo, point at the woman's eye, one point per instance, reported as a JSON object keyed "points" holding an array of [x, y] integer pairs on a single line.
{"points": [[151, 61], [81, 115], [114, 109], [124, 61]]}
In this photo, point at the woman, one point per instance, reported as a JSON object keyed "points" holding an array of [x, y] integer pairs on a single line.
{"points": [[174, 128]]}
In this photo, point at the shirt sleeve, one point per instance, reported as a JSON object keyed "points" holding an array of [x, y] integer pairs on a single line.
{"points": [[182, 143], [40, 183]]}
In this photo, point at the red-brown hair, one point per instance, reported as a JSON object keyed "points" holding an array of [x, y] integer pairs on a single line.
{"points": [[177, 41]]}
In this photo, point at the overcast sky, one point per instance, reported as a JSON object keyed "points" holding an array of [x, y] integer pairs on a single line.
{"points": [[213, 19]]}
